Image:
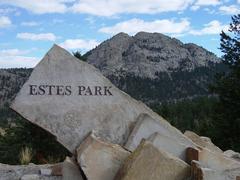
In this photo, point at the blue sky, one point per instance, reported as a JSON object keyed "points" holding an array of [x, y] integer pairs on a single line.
{"points": [[28, 28]]}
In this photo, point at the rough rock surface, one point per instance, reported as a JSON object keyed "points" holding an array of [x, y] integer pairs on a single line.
{"points": [[204, 142], [145, 127], [15, 172], [214, 160], [199, 172], [232, 154], [71, 170], [148, 162], [54, 99], [30, 177], [145, 54], [100, 160], [170, 145]]}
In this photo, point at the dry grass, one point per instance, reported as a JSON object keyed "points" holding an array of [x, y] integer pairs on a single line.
{"points": [[25, 155], [2, 132]]}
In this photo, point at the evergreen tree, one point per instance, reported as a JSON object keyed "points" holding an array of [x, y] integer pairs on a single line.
{"points": [[227, 86], [78, 55]]}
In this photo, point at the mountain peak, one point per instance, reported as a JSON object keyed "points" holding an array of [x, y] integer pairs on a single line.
{"points": [[146, 54], [121, 35]]}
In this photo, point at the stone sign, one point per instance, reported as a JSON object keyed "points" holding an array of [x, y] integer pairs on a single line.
{"points": [[70, 98]]}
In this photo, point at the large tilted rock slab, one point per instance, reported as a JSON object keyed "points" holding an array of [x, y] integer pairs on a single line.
{"points": [[170, 145], [100, 160], [16, 172], [148, 162], [202, 141], [145, 127], [69, 98]]}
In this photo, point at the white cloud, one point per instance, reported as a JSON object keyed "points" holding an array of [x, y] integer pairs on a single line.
{"points": [[39, 7], [7, 10], [10, 58], [12, 52], [79, 44], [37, 37], [4, 22], [207, 2], [30, 23], [195, 7], [200, 3], [210, 11], [213, 27], [17, 61], [133, 26], [114, 7], [230, 10]]}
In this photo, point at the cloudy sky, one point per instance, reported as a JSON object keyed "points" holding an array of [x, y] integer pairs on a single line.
{"points": [[28, 28]]}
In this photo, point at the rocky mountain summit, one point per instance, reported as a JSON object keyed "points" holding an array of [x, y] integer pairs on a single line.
{"points": [[147, 54]]}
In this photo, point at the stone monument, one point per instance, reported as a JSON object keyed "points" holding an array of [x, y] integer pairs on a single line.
{"points": [[70, 98]]}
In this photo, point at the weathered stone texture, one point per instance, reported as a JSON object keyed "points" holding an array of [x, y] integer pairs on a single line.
{"points": [[16, 172], [71, 171], [146, 126], [100, 160], [170, 145], [148, 162], [204, 142], [200, 172], [215, 165], [232, 154]]}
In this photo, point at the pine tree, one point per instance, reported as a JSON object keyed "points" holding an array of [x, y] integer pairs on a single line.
{"points": [[227, 87], [78, 55]]}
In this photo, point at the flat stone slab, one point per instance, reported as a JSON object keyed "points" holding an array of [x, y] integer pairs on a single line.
{"points": [[146, 126], [213, 160], [204, 142], [70, 98], [71, 171], [199, 172], [100, 160], [16, 172], [232, 154], [30, 177], [148, 162], [170, 145]]}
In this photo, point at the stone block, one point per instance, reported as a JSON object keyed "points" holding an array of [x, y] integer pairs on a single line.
{"points": [[214, 160], [148, 162], [71, 170], [170, 145], [100, 160], [203, 142], [146, 126]]}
